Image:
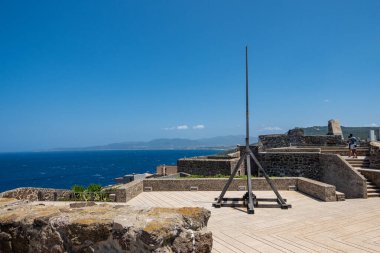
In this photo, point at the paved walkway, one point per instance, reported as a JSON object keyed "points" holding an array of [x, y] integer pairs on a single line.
{"points": [[310, 226]]}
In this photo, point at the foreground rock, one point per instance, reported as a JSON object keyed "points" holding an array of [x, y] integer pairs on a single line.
{"points": [[47, 228]]}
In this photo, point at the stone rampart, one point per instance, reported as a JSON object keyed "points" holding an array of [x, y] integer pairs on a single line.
{"points": [[338, 172], [208, 167], [374, 158], [284, 140]]}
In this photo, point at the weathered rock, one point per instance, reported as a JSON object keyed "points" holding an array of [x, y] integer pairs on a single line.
{"points": [[334, 128], [29, 227]]}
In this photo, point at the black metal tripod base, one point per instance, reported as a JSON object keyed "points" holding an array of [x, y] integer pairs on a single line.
{"points": [[243, 202]]}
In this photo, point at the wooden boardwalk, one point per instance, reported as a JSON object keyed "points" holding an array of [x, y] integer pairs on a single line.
{"points": [[310, 226]]}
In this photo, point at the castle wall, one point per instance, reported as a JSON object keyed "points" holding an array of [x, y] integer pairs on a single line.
{"points": [[284, 140], [208, 167]]}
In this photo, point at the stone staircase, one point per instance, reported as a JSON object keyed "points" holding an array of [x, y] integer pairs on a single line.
{"points": [[372, 190], [343, 150], [362, 162]]}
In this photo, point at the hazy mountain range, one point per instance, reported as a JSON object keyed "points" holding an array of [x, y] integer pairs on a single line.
{"points": [[222, 142]]}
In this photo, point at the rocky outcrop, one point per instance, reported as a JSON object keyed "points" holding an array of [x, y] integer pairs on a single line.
{"points": [[57, 228]]}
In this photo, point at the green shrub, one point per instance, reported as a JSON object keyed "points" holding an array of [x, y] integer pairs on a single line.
{"points": [[77, 188], [94, 188]]}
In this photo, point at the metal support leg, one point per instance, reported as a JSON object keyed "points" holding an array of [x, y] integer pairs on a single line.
{"points": [[233, 174], [249, 183], [279, 198]]}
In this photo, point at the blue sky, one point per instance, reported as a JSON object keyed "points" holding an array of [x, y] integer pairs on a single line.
{"points": [[79, 73]]}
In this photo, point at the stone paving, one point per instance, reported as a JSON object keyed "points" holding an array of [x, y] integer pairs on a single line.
{"points": [[310, 226]]}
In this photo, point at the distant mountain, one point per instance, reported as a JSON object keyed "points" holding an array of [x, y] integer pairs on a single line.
{"points": [[361, 132], [223, 142]]}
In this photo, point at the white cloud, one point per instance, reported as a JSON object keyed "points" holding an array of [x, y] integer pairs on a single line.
{"points": [[200, 126], [326, 100], [182, 127], [373, 125], [169, 128], [270, 128]]}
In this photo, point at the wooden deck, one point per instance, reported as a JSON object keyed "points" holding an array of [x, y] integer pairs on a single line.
{"points": [[310, 226]]}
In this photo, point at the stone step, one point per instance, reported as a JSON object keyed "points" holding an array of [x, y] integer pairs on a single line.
{"points": [[373, 195], [340, 196], [373, 190], [358, 163]]}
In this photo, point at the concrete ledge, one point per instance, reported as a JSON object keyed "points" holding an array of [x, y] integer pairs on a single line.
{"points": [[316, 189], [371, 175]]}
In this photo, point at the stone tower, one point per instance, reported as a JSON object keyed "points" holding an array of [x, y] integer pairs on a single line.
{"points": [[334, 128]]}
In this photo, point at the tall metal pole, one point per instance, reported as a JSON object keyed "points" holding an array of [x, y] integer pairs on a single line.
{"points": [[247, 150], [246, 99]]}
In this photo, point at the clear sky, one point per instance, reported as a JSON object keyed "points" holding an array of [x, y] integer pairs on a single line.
{"points": [[79, 73]]}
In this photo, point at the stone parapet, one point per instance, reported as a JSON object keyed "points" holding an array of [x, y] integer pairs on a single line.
{"points": [[215, 184], [372, 175], [316, 189], [284, 140], [319, 190], [374, 158], [35, 194], [129, 191]]}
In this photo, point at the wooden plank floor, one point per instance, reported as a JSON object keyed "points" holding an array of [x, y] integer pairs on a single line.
{"points": [[310, 226]]}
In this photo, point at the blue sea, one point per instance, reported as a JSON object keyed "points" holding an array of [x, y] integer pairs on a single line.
{"points": [[64, 169]]}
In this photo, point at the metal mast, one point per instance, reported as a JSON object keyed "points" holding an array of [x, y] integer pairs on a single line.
{"points": [[249, 200]]}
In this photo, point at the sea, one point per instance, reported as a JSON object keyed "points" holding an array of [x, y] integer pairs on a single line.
{"points": [[64, 169]]}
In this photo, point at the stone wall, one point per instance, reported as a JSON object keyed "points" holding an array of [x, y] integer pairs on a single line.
{"points": [[49, 194], [338, 172], [371, 175], [208, 167], [374, 158], [130, 190], [166, 170], [35, 194], [322, 191], [294, 150], [284, 140], [215, 184], [290, 164], [316, 189]]}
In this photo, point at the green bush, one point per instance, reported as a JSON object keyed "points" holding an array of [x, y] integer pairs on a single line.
{"points": [[94, 188], [77, 188]]}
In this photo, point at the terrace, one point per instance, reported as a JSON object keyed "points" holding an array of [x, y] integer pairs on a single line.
{"points": [[310, 226]]}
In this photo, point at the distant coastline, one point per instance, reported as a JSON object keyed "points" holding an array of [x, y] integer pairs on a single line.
{"points": [[220, 142]]}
